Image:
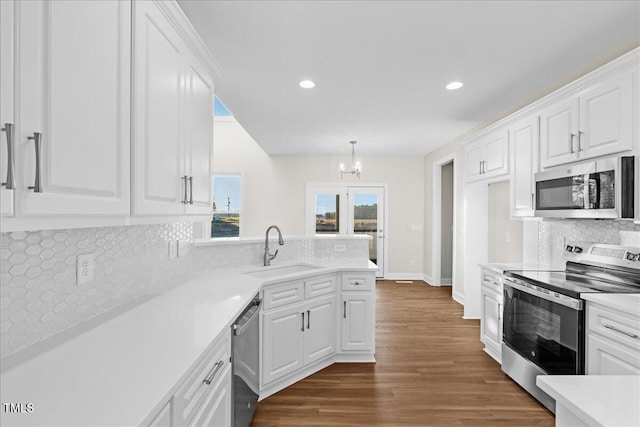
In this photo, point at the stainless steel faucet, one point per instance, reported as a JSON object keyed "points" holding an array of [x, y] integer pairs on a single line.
{"points": [[267, 256]]}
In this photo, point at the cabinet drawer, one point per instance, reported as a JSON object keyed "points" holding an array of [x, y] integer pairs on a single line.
{"points": [[201, 381], [319, 286], [280, 295], [607, 357], [357, 282], [621, 328], [491, 280]]}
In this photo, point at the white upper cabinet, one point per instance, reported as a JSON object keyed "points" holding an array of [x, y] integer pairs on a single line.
{"points": [[7, 122], [159, 183], [72, 119], [173, 128], [524, 137], [199, 137], [596, 122], [488, 157]]}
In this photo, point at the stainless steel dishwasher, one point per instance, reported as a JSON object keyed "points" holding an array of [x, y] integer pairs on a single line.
{"points": [[246, 363]]}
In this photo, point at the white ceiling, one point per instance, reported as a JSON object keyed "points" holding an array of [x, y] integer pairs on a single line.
{"points": [[381, 66]]}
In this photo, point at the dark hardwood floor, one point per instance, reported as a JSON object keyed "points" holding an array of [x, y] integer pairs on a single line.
{"points": [[430, 370]]}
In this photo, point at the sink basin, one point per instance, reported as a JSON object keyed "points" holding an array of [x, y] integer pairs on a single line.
{"points": [[282, 271]]}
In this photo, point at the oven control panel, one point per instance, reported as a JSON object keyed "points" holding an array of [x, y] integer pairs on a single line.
{"points": [[585, 252]]}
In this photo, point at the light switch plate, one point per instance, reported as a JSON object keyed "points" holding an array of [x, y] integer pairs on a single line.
{"points": [[173, 249], [183, 247]]}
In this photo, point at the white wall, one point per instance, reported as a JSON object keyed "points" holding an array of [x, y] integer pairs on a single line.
{"points": [[500, 248], [274, 191]]}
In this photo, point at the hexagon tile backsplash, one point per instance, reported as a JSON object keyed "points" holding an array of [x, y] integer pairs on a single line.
{"points": [[39, 296], [40, 299], [583, 230]]}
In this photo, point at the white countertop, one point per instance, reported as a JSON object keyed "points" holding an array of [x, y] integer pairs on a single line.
{"points": [[628, 303], [117, 373], [599, 400], [501, 267]]}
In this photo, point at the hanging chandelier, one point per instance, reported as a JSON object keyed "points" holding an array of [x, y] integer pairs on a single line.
{"points": [[356, 167]]}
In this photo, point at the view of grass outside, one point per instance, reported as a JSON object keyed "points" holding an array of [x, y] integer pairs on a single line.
{"points": [[327, 213], [226, 206]]}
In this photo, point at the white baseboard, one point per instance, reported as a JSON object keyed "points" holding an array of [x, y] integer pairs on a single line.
{"points": [[403, 276], [445, 281], [458, 297], [427, 278]]}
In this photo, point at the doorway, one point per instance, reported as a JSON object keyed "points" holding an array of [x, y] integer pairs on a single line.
{"points": [[348, 209], [443, 233]]}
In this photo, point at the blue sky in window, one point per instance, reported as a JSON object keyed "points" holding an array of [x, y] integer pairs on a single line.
{"points": [[226, 193], [219, 110], [365, 199]]}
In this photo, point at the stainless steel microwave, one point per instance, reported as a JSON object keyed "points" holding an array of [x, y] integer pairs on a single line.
{"points": [[597, 189]]}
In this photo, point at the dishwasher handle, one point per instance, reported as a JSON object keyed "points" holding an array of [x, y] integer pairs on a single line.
{"points": [[247, 317]]}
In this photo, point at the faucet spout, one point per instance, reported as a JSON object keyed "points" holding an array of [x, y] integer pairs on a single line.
{"points": [[267, 256]]}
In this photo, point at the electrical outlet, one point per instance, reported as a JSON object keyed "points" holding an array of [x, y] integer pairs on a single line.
{"points": [[507, 236], [84, 268], [340, 248], [173, 249], [183, 248]]}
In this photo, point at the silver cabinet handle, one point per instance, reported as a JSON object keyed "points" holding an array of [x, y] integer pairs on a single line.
{"points": [[184, 195], [213, 373], [580, 140], [308, 319], [499, 311], [302, 328], [571, 136], [613, 328], [532, 197], [480, 167], [190, 190], [37, 142], [10, 184], [344, 309], [484, 168]]}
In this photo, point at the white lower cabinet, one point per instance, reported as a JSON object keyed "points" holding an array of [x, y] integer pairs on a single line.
{"points": [[357, 316], [613, 341], [491, 313], [204, 397], [163, 419], [216, 409], [283, 342], [300, 333]]}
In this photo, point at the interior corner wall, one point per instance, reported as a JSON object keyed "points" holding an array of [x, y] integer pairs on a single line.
{"points": [[454, 147], [274, 192]]}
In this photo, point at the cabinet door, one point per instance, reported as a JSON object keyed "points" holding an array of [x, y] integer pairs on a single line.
{"points": [[490, 319], [6, 100], [358, 319], [606, 117], [524, 164], [605, 357], [283, 335], [159, 79], [496, 154], [558, 133], [473, 162], [74, 90], [216, 409], [320, 328], [199, 137], [163, 419]]}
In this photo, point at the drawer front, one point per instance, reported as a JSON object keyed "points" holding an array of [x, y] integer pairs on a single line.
{"points": [[281, 295], [201, 381], [358, 282], [320, 286], [606, 357], [491, 280], [619, 327], [216, 410]]}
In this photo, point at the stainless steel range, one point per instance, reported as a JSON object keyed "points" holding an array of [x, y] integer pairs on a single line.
{"points": [[543, 320]]}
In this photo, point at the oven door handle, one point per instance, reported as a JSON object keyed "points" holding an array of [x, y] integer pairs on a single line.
{"points": [[565, 300]]}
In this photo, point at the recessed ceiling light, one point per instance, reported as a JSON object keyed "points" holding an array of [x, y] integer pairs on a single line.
{"points": [[454, 85], [307, 84]]}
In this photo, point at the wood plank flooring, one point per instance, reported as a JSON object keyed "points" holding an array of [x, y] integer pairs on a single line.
{"points": [[430, 371]]}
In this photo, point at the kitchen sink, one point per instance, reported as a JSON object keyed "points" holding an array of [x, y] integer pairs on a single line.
{"points": [[275, 271]]}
